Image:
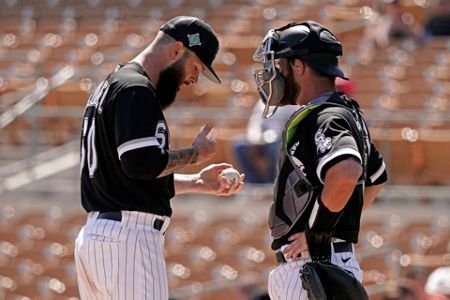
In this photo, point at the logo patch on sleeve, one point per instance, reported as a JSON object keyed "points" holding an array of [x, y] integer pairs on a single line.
{"points": [[323, 143]]}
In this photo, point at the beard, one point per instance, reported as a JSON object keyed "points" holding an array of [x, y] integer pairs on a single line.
{"points": [[170, 79], [291, 89]]}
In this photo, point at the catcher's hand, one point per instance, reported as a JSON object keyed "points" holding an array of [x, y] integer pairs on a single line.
{"points": [[324, 281]]}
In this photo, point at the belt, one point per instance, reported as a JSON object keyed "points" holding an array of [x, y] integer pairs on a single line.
{"points": [[339, 247], [117, 216]]}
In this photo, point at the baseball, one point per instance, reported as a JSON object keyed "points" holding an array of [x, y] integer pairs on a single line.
{"points": [[231, 175]]}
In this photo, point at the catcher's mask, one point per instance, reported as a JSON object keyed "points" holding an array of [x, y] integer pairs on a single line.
{"points": [[308, 41]]}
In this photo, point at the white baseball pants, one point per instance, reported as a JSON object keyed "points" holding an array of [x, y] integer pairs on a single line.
{"points": [[119, 259], [285, 282]]}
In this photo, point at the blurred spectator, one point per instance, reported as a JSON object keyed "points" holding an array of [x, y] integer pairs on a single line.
{"points": [[407, 289], [348, 87], [390, 25], [418, 277], [403, 293], [261, 296], [438, 24], [258, 152], [438, 284]]}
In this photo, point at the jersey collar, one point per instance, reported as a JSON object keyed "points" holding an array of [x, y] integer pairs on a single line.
{"points": [[322, 98]]}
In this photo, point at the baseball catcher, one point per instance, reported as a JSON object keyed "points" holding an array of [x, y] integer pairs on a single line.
{"points": [[329, 169]]}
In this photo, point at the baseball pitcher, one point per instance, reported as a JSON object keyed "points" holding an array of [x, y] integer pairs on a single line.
{"points": [[128, 171]]}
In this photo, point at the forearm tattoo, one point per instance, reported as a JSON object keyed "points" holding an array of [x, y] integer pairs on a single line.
{"points": [[178, 160]]}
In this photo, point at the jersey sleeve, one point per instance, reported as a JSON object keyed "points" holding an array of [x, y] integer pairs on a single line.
{"points": [[334, 142], [140, 132], [376, 169]]}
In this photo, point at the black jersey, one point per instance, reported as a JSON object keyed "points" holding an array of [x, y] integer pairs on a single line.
{"points": [[326, 136], [124, 125]]}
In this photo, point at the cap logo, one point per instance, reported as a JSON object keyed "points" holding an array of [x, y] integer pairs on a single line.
{"points": [[194, 39]]}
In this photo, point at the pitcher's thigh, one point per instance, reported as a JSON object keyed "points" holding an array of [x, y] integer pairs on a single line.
{"points": [[148, 272]]}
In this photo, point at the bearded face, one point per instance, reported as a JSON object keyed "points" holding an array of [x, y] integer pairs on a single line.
{"points": [[170, 80], [291, 88]]}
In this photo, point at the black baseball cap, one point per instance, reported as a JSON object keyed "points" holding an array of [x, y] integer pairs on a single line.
{"points": [[312, 43], [197, 36]]}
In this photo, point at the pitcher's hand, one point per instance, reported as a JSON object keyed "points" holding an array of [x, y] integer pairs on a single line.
{"points": [[204, 146], [210, 182]]}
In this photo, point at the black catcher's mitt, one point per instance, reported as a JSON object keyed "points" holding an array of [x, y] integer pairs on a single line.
{"points": [[325, 281]]}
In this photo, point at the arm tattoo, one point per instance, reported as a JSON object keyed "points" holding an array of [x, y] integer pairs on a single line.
{"points": [[178, 160]]}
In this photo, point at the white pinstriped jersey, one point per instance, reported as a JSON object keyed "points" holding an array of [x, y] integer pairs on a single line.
{"points": [[285, 282]]}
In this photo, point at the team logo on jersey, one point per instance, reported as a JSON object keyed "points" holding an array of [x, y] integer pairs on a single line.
{"points": [[162, 134], [194, 39], [323, 143]]}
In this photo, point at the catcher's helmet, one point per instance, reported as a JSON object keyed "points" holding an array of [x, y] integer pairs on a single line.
{"points": [[308, 41]]}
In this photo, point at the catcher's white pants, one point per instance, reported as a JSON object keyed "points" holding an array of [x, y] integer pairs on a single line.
{"points": [[285, 282], [121, 259]]}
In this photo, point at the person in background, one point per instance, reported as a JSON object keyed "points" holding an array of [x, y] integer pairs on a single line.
{"points": [[438, 23], [257, 153], [391, 25], [438, 284]]}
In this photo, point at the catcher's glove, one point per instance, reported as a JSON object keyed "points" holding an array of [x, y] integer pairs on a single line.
{"points": [[325, 281]]}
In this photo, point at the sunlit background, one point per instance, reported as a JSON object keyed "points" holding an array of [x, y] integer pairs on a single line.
{"points": [[54, 52]]}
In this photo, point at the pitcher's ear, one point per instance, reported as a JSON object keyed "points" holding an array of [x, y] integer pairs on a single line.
{"points": [[176, 50]]}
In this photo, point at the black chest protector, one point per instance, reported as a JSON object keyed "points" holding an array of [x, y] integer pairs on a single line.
{"points": [[294, 193]]}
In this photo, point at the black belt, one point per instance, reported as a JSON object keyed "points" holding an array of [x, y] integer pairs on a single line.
{"points": [[339, 247], [117, 216]]}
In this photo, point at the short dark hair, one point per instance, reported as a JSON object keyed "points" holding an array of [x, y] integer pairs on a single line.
{"points": [[164, 39], [320, 73], [315, 71]]}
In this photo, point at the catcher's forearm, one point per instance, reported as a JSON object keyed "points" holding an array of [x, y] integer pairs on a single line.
{"points": [[178, 160], [371, 193], [319, 231]]}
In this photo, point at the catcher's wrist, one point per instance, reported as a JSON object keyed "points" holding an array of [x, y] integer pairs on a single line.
{"points": [[319, 245], [319, 231], [322, 219]]}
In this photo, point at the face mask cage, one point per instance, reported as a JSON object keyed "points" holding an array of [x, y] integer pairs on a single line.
{"points": [[264, 77]]}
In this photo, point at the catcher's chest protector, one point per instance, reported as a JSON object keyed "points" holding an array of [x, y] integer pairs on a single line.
{"points": [[293, 191], [290, 204]]}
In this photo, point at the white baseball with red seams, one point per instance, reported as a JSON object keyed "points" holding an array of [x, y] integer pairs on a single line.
{"points": [[231, 175]]}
